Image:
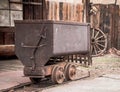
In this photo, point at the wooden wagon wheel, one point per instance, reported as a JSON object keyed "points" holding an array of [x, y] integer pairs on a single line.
{"points": [[98, 42]]}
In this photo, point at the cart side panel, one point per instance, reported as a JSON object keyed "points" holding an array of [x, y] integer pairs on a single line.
{"points": [[71, 39], [33, 43]]}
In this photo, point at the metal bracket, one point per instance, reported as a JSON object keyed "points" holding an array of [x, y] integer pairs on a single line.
{"points": [[26, 46]]}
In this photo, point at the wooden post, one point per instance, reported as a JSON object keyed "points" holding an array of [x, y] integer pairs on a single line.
{"points": [[86, 17]]}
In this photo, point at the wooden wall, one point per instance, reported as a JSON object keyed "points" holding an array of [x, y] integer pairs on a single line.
{"points": [[6, 35], [107, 20], [65, 11], [7, 41], [33, 10], [119, 32]]}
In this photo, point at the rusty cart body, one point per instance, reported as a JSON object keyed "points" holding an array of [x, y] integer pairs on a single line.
{"points": [[43, 46]]}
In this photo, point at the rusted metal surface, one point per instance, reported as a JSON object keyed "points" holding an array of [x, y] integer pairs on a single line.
{"points": [[82, 59], [57, 74], [70, 71], [41, 72], [37, 41]]}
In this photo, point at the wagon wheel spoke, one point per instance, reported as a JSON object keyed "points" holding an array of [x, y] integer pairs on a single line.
{"points": [[95, 50], [98, 42], [91, 48], [100, 37], [101, 41], [97, 34], [93, 33], [100, 45]]}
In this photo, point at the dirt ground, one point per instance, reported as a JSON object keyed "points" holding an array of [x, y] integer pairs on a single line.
{"points": [[107, 64]]}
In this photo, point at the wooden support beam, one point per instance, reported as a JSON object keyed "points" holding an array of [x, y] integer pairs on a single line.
{"points": [[7, 50]]}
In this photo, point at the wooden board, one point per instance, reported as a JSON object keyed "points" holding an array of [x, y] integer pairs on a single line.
{"points": [[7, 50], [33, 11], [1, 38], [6, 35], [119, 32], [9, 38]]}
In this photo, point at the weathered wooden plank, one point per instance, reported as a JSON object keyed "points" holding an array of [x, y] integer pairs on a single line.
{"points": [[119, 32], [8, 38], [37, 12], [46, 10], [58, 8], [73, 12], [1, 38], [7, 50], [114, 24], [79, 13], [7, 35], [60, 12], [50, 11], [69, 12], [65, 12]]}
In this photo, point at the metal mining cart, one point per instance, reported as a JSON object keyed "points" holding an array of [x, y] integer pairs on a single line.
{"points": [[44, 47]]}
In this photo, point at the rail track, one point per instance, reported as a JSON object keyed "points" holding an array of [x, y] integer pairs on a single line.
{"points": [[44, 84]]}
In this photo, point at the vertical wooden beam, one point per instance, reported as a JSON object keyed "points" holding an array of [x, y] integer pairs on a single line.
{"points": [[1, 38], [61, 11], [86, 11]]}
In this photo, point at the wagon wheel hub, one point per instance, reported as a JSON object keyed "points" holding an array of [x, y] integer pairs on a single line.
{"points": [[57, 75], [70, 71], [93, 40]]}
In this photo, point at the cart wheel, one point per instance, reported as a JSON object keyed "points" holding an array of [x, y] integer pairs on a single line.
{"points": [[70, 71], [35, 80], [98, 42], [57, 75]]}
